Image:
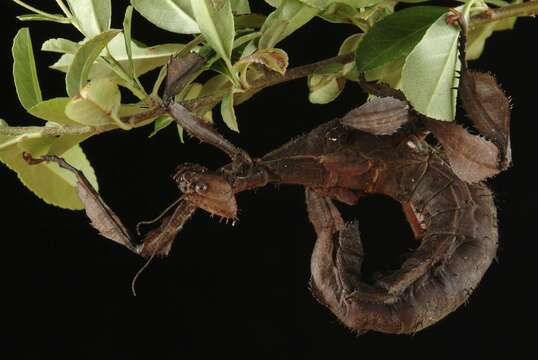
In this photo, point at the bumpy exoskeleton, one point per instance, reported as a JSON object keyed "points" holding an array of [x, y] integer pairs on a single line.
{"points": [[377, 148]]}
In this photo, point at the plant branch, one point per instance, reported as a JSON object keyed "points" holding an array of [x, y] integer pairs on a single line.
{"points": [[529, 8], [139, 119], [37, 11], [136, 120], [271, 79], [50, 130], [298, 72]]}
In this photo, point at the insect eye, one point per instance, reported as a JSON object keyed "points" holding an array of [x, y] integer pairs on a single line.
{"points": [[200, 188], [183, 187]]}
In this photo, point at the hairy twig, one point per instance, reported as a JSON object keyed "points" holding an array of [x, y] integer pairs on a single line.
{"points": [[529, 8], [271, 79]]}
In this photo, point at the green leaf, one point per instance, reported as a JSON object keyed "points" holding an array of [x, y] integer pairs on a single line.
{"points": [[241, 40], [323, 4], [249, 21], [249, 48], [287, 18], [49, 182], [53, 110], [127, 22], [24, 70], [349, 45], [274, 3], [324, 86], [362, 14], [328, 82], [39, 17], [476, 38], [66, 142], [428, 76], [240, 7], [228, 112], [82, 62], [93, 16], [193, 91], [389, 73], [318, 4], [273, 59], [7, 141], [339, 14], [216, 85], [97, 105], [131, 109], [159, 124], [216, 22], [59, 45], [145, 59], [181, 133], [395, 36], [172, 15]]}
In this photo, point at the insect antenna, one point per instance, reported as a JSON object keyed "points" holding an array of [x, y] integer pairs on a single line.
{"points": [[159, 217], [140, 271]]}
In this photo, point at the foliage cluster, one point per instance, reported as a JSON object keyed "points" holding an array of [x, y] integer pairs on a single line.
{"points": [[412, 48]]}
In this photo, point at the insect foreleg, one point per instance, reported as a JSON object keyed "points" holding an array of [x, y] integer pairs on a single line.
{"points": [[206, 133], [102, 217]]}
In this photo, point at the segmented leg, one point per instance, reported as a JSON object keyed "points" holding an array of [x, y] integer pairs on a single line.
{"points": [[336, 272], [338, 254], [206, 133], [325, 282], [102, 217]]}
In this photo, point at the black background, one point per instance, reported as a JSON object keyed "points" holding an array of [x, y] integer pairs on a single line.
{"points": [[241, 291]]}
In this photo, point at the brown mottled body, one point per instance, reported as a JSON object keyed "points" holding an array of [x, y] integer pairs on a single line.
{"points": [[459, 237]]}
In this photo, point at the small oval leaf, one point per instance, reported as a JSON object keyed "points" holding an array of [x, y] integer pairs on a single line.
{"points": [[287, 18], [97, 105], [240, 7], [79, 70], [172, 15], [144, 59], [325, 88], [60, 45], [93, 16], [228, 112], [53, 110], [216, 22], [24, 70]]}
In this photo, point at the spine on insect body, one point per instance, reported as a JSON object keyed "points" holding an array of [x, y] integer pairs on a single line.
{"points": [[457, 220]]}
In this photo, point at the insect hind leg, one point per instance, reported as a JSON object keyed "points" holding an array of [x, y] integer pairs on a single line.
{"points": [[338, 252]]}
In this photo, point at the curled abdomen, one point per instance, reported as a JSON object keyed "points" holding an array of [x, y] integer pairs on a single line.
{"points": [[459, 243]]}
